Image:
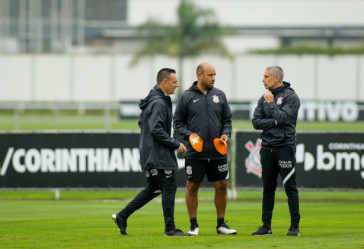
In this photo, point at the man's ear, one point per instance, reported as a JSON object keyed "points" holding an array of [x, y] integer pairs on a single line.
{"points": [[199, 74], [164, 82]]}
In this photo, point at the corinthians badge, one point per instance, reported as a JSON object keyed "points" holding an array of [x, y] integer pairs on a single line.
{"points": [[215, 98], [252, 162]]}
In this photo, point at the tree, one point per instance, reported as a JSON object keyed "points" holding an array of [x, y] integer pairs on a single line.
{"points": [[196, 32]]}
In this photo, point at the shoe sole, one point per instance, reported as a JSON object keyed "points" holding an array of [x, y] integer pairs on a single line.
{"points": [[219, 232], [177, 235], [226, 233]]}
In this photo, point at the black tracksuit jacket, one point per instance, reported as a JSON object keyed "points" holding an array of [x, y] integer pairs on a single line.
{"points": [[156, 144], [208, 115], [284, 110]]}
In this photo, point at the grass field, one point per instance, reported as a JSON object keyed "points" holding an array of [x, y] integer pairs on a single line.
{"points": [[82, 219], [99, 122]]}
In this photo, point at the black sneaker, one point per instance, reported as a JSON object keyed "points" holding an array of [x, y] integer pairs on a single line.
{"points": [[293, 231], [263, 231], [176, 232], [120, 223]]}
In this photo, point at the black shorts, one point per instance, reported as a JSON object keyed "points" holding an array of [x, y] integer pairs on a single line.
{"points": [[215, 170]]}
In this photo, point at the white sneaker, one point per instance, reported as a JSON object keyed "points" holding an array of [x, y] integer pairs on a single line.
{"points": [[193, 231], [225, 229]]}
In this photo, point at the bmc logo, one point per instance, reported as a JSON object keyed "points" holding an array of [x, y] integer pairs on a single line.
{"points": [[336, 159]]}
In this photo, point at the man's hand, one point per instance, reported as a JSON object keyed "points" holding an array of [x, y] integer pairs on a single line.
{"points": [[225, 138], [182, 148], [268, 96]]}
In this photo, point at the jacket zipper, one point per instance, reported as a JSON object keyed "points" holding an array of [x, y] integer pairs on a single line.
{"points": [[207, 113]]}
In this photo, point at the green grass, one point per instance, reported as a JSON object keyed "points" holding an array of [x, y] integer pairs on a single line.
{"points": [[74, 122], [330, 219], [99, 122]]}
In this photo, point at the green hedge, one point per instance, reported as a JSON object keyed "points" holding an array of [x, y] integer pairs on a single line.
{"points": [[311, 50]]}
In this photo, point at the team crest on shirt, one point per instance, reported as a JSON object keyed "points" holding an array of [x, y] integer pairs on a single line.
{"points": [[252, 162], [279, 100], [215, 98]]}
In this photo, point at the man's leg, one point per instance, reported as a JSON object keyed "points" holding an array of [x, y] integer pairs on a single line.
{"points": [[146, 195], [288, 174], [168, 185], [293, 200], [195, 172], [269, 176], [220, 197], [218, 173], [192, 197]]}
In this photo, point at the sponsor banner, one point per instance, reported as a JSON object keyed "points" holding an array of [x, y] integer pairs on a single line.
{"points": [[324, 159], [347, 111], [73, 160], [310, 110]]}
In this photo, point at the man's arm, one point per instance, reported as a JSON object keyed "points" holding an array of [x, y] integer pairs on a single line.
{"points": [[260, 122], [286, 113], [157, 117], [226, 121]]}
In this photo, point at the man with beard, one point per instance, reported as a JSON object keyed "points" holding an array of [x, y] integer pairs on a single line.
{"points": [[203, 112]]}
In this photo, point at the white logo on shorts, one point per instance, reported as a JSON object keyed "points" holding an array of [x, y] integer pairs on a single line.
{"points": [[285, 164], [223, 168], [168, 173], [189, 170]]}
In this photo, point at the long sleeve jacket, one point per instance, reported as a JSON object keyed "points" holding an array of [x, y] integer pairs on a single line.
{"points": [[208, 115], [156, 144], [278, 118]]}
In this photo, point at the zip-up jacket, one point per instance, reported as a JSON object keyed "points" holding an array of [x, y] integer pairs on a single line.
{"points": [[156, 144], [278, 118], [208, 115]]}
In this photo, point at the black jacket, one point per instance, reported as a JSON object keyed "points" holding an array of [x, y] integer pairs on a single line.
{"points": [[284, 110], [155, 121], [208, 116]]}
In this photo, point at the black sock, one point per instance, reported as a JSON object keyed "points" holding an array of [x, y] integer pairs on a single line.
{"points": [[220, 221], [193, 221]]}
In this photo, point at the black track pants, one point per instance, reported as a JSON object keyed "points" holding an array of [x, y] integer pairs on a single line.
{"points": [[159, 182], [279, 160]]}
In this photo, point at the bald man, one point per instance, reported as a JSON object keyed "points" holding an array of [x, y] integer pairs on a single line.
{"points": [[203, 111]]}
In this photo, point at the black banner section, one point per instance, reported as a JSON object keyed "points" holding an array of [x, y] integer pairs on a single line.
{"points": [[347, 111], [72, 160], [324, 159], [111, 159]]}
